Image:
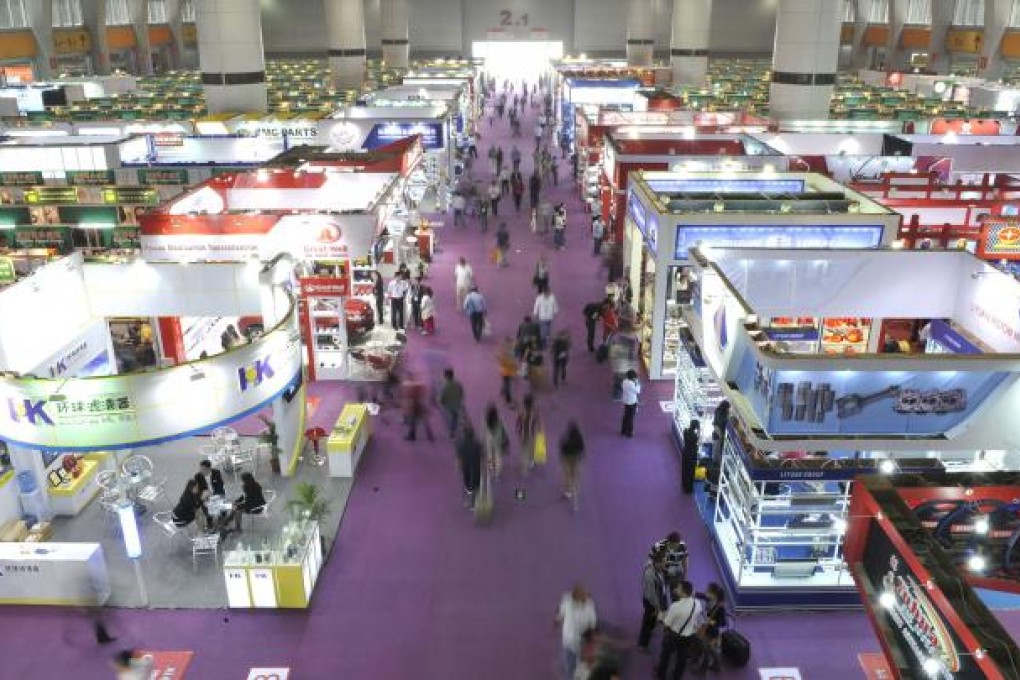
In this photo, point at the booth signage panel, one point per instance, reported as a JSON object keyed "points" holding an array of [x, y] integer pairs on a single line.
{"points": [[779, 236], [915, 627], [89, 177], [646, 223], [1000, 239], [86, 347], [163, 177], [7, 272], [944, 335], [200, 247], [148, 408], [847, 402], [388, 133], [21, 179], [725, 186]]}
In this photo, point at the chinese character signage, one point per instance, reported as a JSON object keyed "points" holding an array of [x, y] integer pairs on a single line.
{"points": [[387, 133], [89, 177], [21, 179], [161, 177]]}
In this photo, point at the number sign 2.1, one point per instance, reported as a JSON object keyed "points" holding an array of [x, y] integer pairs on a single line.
{"points": [[508, 18]]}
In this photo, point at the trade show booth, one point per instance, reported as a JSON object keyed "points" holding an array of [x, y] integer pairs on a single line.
{"points": [[88, 448], [799, 426], [667, 213]]}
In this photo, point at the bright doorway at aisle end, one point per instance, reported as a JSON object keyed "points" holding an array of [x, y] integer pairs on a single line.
{"points": [[517, 59]]}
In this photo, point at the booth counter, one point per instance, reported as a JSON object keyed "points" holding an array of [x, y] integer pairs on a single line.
{"points": [[348, 439], [68, 574], [669, 213], [72, 495], [278, 574]]}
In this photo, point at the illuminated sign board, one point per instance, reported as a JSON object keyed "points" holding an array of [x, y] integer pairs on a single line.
{"points": [[778, 236]]}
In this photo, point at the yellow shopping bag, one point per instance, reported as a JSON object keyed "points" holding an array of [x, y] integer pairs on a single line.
{"points": [[540, 452]]}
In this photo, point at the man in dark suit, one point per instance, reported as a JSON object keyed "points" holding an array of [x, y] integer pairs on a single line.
{"points": [[210, 479]]}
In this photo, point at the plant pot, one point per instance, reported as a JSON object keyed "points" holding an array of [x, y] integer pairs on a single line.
{"points": [[274, 465]]}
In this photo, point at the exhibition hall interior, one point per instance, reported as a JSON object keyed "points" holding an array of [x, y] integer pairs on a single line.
{"points": [[456, 339]]}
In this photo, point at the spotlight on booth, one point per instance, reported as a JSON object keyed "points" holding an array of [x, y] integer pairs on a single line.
{"points": [[932, 667], [977, 563], [981, 526], [887, 600], [887, 467]]}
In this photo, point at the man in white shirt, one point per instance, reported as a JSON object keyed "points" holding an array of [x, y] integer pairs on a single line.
{"points": [[575, 616], [631, 391], [494, 195], [544, 312], [396, 291], [680, 625], [459, 203], [598, 231], [465, 278]]}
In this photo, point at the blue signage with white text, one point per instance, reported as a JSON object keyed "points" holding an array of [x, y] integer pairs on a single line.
{"points": [[388, 133], [778, 236]]}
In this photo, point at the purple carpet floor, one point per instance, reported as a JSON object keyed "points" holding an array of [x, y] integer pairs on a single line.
{"points": [[414, 588]]}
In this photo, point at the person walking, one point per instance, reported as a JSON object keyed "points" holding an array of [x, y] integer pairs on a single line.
{"points": [[469, 456], [598, 231], [515, 158], [459, 205], [631, 391], [507, 363], [560, 227], [379, 291], [499, 159], [528, 426], [492, 160], [576, 615], [502, 245], [496, 441], [517, 189], [679, 627], [715, 621], [494, 195], [415, 293], [428, 311], [451, 400], [464, 278], [592, 313], [560, 357], [554, 170], [545, 311], [397, 292], [483, 213], [545, 217], [504, 182], [540, 280], [474, 305], [571, 454], [654, 597], [415, 409], [534, 188]]}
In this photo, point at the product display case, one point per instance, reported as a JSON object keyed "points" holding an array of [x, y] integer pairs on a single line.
{"points": [[696, 394], [779, 530], [275, 571], [847, 335], [795, 334]]}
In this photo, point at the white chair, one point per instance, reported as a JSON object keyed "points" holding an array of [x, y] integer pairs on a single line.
{"points": [[152, 492], [165, 521], [107, 480], [207, 544], [225, 437], [265, 512], [242, 461], [263, 450], [137, 466]]}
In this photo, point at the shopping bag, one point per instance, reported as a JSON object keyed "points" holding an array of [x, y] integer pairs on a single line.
{"points": [[486, 328], [540, 452]]}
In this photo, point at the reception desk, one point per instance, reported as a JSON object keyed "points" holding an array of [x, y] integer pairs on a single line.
{"points": [[278, 574], [348, 439], [53, 574], [71, 497]]}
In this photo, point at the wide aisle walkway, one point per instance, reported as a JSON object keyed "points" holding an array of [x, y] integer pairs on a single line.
{"points": [[414, 588]]}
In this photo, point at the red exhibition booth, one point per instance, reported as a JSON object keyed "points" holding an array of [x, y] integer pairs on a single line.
{"points": [[916, 546]]}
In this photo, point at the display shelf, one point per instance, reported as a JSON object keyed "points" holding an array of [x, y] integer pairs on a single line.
{"points": [[696, 394], [846, 335]]}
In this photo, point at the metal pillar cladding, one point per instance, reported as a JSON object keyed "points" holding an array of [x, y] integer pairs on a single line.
{"points": [[396, 45], [139, 10], [997, 15], [640, 32], [859, 52], [939, 58], [40, 18], [688, 46], [231, 59], [895, 55], [94, 14], [345, 20], [804, 60]]}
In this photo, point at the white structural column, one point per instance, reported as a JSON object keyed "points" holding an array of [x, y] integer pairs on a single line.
{"points": [[688, 45], [345, 20], [895, 59], [231, 59], [173, 17], [640, 32], [805, 58], [858, 51], [396, 44], [40, 18], [94, 14], [140, 21], [997, 14], [939, 59]]}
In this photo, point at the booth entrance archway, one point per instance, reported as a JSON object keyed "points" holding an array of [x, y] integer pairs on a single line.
{"points": [[517, 59]]}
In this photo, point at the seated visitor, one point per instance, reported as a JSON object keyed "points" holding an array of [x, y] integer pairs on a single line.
{"points": [[210, 479], [251, 501], [188, 505]]}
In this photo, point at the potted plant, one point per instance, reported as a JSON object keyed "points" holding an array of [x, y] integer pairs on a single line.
{"points": [[270, 437], [308, 503]]}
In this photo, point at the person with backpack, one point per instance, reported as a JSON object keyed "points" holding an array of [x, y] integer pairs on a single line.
{"points": [[711, 631], [679, 632]]}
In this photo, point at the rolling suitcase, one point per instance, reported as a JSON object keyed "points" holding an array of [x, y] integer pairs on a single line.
{"points": [[735, 648]]}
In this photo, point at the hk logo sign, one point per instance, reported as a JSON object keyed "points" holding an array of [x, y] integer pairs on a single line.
{"points": [[31, 411], [254, 374]]}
